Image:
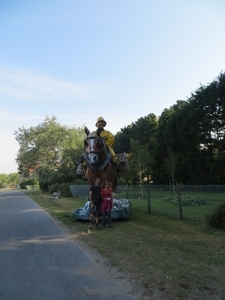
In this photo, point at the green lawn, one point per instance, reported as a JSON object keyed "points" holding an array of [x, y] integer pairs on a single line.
{"points": [[192, 213], [177, 259]]}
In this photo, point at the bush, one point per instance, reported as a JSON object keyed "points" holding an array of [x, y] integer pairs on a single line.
{"points": [[217, 218], [64, 189], [53, 188], [31, 182], [185, 200]]}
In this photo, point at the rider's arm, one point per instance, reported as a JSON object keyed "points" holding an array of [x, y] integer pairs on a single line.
{"points": [[110, 138]]}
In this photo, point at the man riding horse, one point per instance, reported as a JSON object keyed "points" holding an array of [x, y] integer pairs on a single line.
{"points": [[109, 140], [108, 136]]}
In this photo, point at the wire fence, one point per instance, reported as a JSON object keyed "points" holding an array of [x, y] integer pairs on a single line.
{"points": [[189, 202]]}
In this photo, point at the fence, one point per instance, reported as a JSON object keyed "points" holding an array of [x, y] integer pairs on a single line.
{"points": [[190, 202]]}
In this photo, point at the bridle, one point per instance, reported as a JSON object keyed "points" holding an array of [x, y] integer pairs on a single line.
{"points": [[92, 157]]}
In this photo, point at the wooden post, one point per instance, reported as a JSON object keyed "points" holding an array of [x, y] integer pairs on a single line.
{"points": [[127, 193], [179, 202], [149, 202]]}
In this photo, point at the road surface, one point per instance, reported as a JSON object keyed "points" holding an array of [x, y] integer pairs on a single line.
{"points": [[39, 262]]}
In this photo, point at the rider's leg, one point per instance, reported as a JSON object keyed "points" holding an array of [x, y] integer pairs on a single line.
{"points": [[114, 157], [80, 164]]}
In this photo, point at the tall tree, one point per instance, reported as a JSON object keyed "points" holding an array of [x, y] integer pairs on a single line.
{"points": [[3, 180], [193, 131], [138, 139], [49, 151]]}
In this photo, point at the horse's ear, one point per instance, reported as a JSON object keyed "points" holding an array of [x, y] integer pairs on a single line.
{"points": [[87, 131]]}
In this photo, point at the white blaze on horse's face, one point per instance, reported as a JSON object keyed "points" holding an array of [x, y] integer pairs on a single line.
{"points": [[93, 157], [92, 149]]}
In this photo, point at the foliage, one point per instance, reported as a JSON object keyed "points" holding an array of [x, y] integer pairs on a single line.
{"points": [[49, 151], [185, 144], [191, 136], [3, 180], [13, 179], [53, 188], [64, 189], [31, 181], [185, 200], [138, 139], [9, 180], [217, 218]]}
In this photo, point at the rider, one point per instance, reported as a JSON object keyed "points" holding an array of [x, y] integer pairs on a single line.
{"points": [[109, 137]]}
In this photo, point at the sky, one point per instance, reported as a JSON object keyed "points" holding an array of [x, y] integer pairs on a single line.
{"points": [[78, 60]]}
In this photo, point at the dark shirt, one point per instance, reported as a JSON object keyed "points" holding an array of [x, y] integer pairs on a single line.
{"points": [[96, 194]]}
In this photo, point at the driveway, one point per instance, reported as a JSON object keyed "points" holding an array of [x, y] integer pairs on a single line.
{"points": [[38, 261]]}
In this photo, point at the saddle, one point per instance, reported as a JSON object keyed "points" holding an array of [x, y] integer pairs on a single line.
{"points": [[123, 167]]}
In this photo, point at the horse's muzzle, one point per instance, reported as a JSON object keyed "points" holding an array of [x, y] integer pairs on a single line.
{"points": [[92, 158]]}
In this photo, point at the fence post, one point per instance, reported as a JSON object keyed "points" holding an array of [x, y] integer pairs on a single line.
{"points": [[149, 202], [83, 191], [179, 202], [127, 191]]}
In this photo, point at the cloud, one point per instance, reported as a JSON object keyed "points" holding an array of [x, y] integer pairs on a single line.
{"points": [[28, 86]]}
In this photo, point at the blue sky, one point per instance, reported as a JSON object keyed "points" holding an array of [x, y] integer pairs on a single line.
{"points": [[120, 59]]}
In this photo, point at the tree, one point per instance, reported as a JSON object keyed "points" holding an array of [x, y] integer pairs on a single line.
{"points": [[49, 151], [3, 180], [139, 140], [13, 179], [193, 132], [140, 163]]}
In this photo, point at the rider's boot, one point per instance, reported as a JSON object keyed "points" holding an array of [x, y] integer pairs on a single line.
{"points": [[80, 164], [115, 160]]}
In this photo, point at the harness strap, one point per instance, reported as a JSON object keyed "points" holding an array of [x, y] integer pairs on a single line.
{"points": [[96, 167]]}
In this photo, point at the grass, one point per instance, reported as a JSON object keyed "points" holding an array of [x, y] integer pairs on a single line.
{"points": [[193, 213], [175, 259]]}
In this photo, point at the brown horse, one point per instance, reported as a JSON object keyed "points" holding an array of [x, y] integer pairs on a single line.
{"points": [[98, 160]]}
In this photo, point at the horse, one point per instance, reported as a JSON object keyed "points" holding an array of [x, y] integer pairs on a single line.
{"points": [[98, 160]]}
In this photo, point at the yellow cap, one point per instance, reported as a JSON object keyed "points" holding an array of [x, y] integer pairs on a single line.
{"points": [[100, 119]]}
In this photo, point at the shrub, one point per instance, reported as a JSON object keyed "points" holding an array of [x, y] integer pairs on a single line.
{"points": [[31, 181], [217, 218], [64, 189], [185, 200], [53, 188]]}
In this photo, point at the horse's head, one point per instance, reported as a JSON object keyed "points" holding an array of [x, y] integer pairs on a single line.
{"points": [[94, 147], [97, 157]]}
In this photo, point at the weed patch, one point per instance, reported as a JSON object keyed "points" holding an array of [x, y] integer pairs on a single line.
{"points": [[185, 200]]}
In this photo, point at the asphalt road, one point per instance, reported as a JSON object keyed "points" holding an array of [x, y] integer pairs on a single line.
{"points": [[38, 261]]}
